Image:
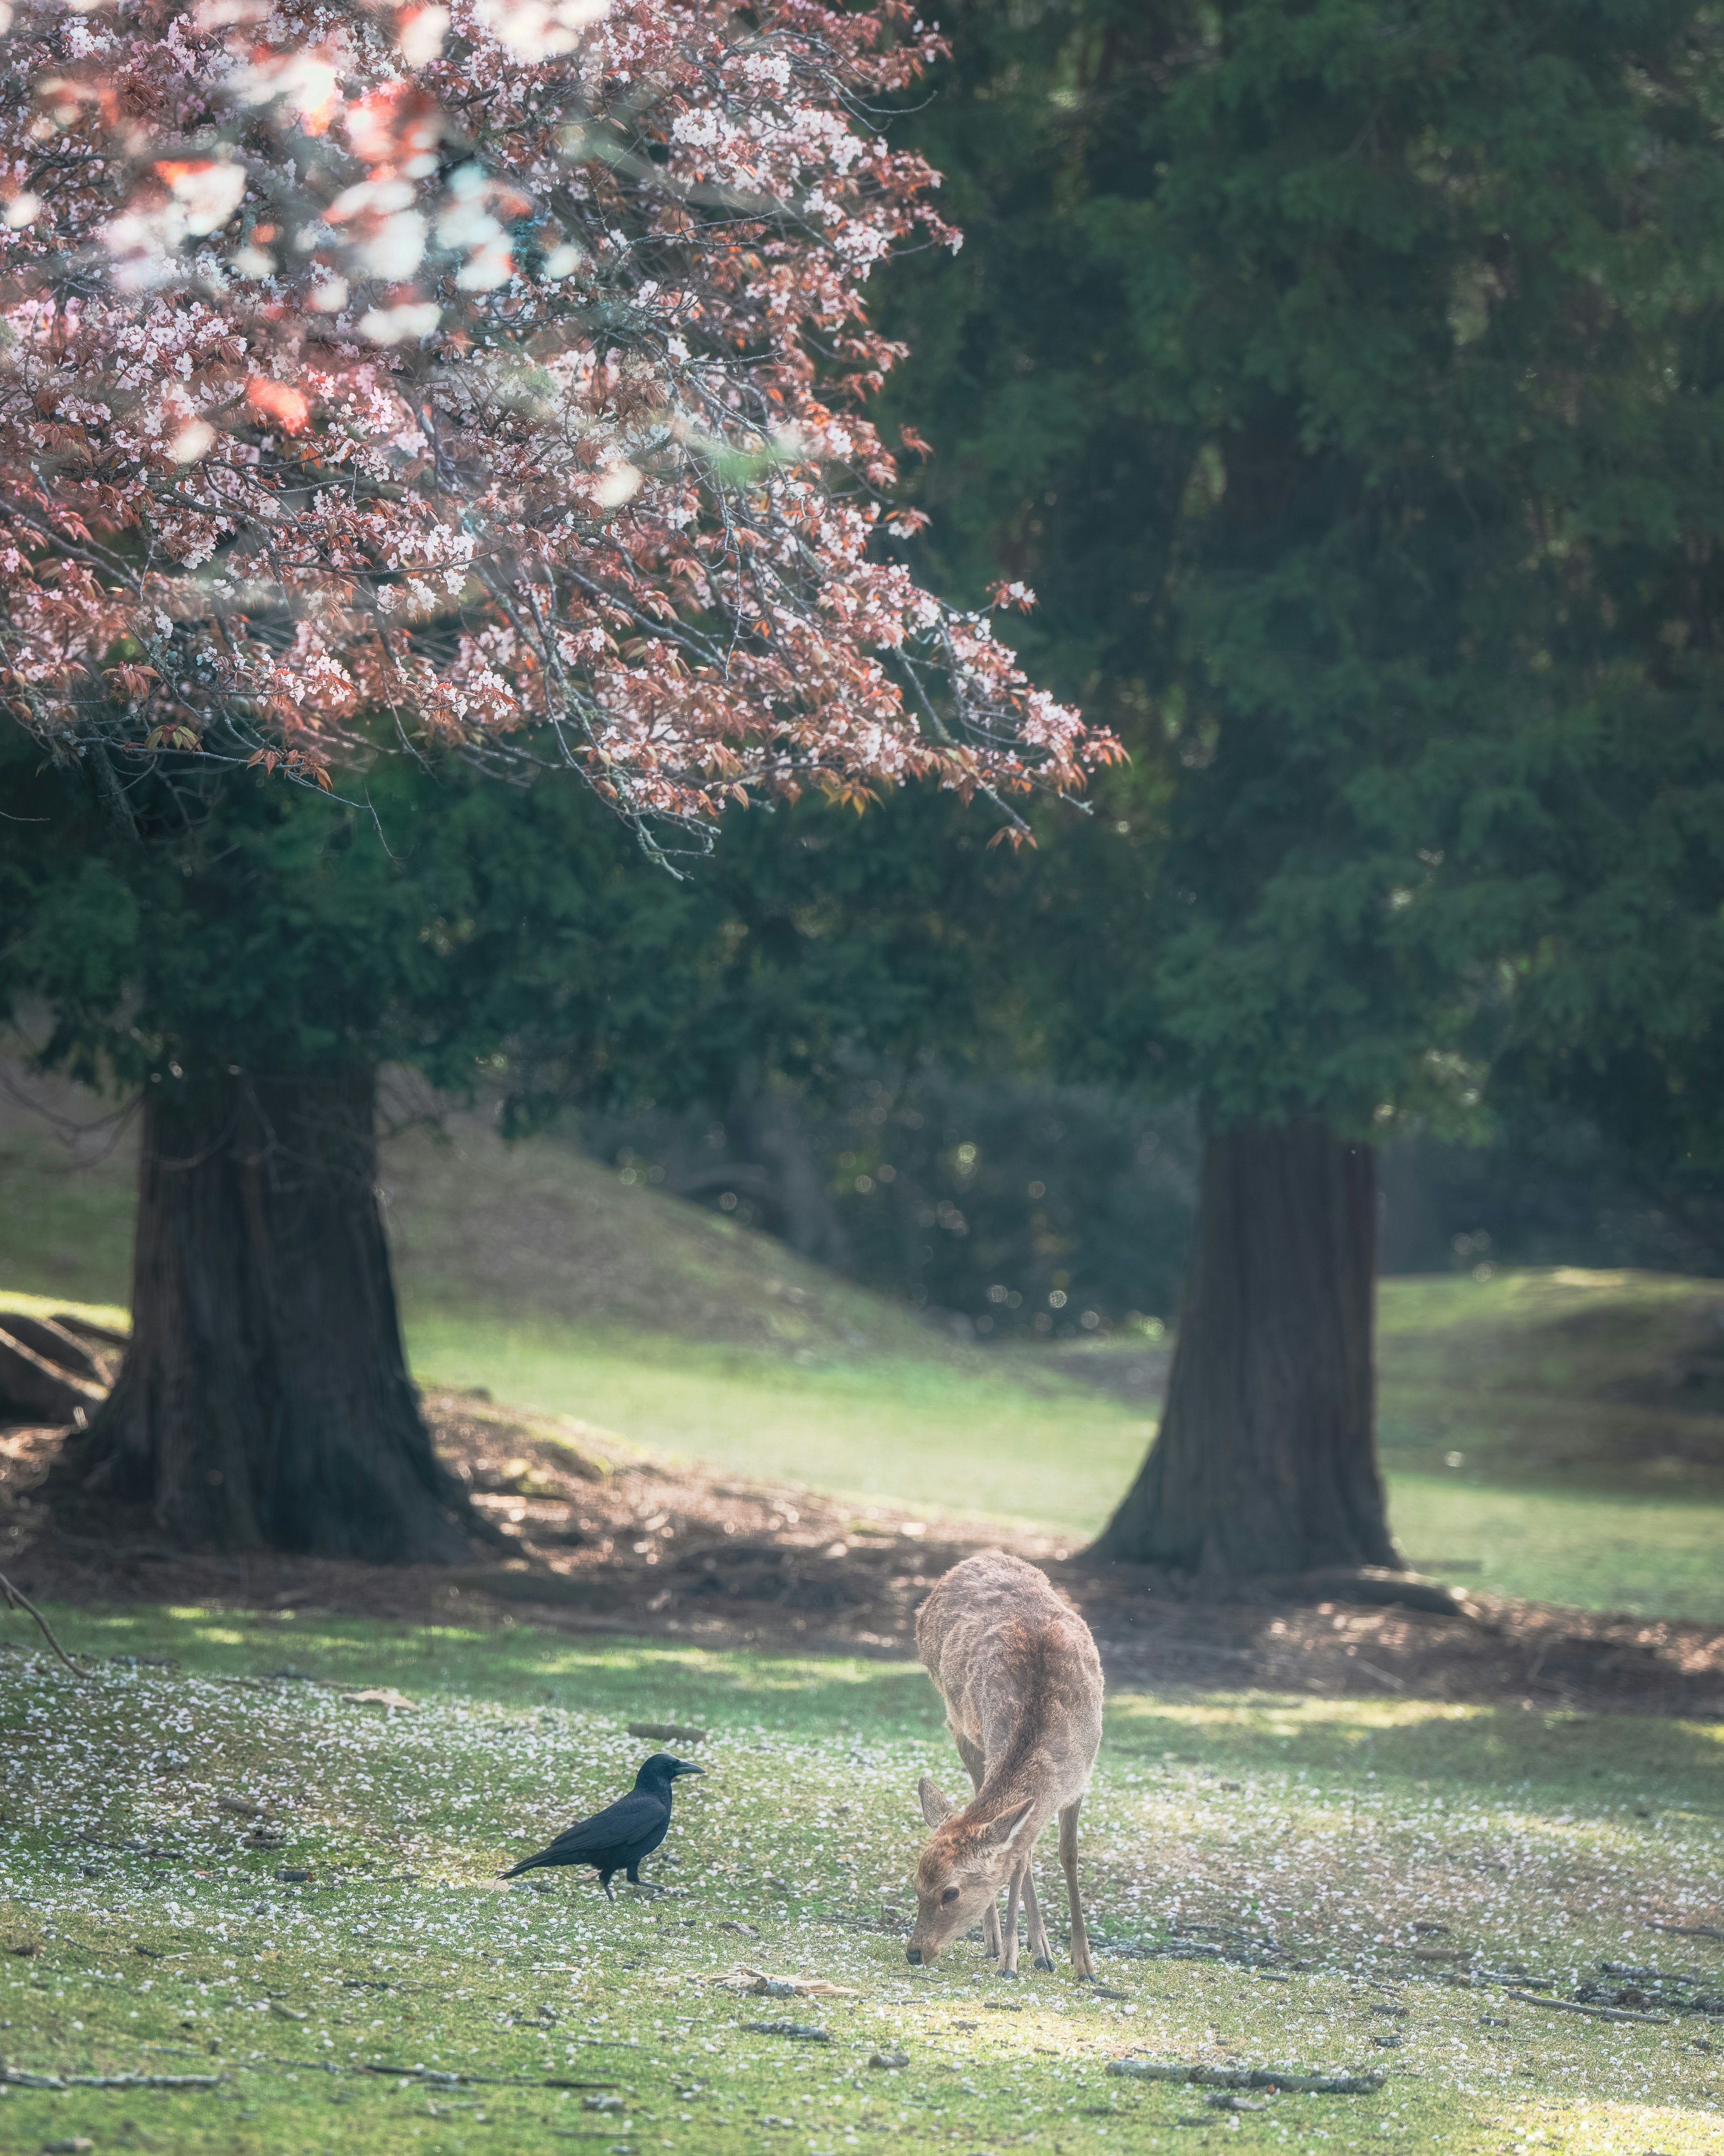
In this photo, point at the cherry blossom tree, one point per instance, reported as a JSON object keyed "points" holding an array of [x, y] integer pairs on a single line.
{"points": [[481, 381], [493, 369]]}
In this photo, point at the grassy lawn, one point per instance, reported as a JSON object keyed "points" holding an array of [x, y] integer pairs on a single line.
{"points": [[162, 1941]]}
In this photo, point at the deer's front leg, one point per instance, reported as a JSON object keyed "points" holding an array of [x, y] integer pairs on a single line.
{"points": [[971, 1754], [1040, 1953], [1008, 1959], [1083, 1962]]}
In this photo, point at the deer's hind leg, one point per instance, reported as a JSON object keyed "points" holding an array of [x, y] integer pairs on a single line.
{"points": [[1083, 1962], [971, 1754], [1040, 1953]]}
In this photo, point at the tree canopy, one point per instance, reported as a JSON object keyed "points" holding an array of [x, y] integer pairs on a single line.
{"points": [[1347, 380]]}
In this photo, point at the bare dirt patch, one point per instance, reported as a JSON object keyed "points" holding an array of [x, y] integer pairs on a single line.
{"points": [[603, 1538]]}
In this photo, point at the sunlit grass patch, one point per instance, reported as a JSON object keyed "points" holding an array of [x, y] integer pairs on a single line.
{"points": [[921, 1431], [110, 1314], [1651, 1555], [1340, 1833]]}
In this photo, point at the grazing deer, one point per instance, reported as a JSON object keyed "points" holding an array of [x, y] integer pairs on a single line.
{"points": [[1022, 1684]]}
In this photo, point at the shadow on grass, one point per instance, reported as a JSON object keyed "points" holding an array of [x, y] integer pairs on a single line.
{"points": [[512, 1665], [1591, 1763]]}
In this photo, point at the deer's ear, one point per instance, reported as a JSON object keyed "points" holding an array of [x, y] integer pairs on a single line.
{"points": [[1002, 1832], [936, 1805]]}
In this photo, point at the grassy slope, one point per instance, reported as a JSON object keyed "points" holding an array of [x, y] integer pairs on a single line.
{"points": [[1581, 1476], [539, 1274], [165, 1944]]}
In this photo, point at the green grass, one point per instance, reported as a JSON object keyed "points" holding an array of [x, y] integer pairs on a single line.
{"points": [[1337, 1826], [1555, 1370], [1590, 1548], [65, 1214]]}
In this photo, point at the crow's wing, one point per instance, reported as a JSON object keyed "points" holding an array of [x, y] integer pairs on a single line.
{"points": [[626, 1821]]}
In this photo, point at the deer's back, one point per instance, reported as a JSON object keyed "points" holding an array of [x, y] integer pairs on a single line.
{"points": [[1017, 1670]]}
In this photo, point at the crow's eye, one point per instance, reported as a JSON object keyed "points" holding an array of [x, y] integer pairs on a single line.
{"points": [[950, 1895]]}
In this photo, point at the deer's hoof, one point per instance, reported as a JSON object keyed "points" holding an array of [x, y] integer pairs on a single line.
{"points": [[1086, 1976], [1042, 1961]]}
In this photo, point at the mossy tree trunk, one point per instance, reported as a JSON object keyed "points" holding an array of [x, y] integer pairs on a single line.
{"points": [[1266, 1461], [263, 1402]]}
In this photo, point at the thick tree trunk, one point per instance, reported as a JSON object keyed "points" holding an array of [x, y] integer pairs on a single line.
{"points": [[1266, 1458], [264, 1401]]}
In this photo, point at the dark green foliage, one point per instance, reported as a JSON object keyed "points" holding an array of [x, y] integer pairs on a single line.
{"points": [[1029, 1208], [1544, 1189], [255, 923], [1347, 380], [824, 929], [511, 938]]}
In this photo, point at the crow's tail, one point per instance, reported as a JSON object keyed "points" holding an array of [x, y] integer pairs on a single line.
{"points": [[528, 1864]]}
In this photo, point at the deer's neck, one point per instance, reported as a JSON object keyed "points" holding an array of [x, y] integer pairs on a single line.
{"points": [[1019, 1766]]}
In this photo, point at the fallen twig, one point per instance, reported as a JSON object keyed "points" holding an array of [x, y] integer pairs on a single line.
{"points": [[799, 2031], [1686, 1930], [16, 1598], [1598, 2013], [19, 2077], [795, 1987], [437, 2077], [1248, 2077]]}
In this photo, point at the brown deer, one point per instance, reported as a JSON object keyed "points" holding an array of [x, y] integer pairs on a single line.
{"points": [[1022, 1684]]}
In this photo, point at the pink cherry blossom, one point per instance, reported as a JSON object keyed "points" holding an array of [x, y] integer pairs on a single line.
{"points": [[492, 375]]}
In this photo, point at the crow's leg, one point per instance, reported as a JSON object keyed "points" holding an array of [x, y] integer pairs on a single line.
{"points": [[604, 1880]]}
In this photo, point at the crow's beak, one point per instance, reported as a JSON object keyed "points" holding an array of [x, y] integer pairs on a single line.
{"points": [[684, 1768]]}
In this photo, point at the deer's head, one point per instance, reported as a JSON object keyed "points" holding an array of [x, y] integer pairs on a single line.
{"points": [[961, 1869]]}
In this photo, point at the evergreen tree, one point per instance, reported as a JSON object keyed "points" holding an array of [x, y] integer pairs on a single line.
{"points": [[1346, 379]]}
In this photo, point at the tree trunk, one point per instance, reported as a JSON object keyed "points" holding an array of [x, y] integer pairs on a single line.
{"points": [[1266, 1458], [264, 1401], [771, 1130]]}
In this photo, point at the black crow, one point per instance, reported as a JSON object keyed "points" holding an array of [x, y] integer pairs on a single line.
{"points": [[616, 1839]]}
